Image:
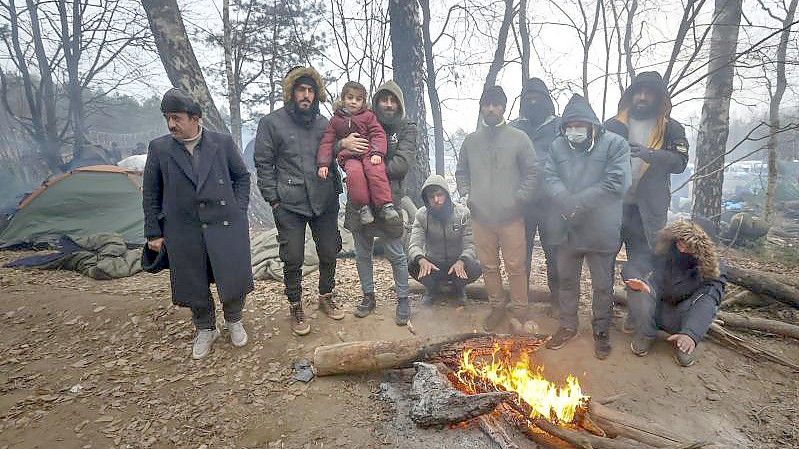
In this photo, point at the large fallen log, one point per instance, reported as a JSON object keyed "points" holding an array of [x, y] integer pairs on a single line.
{"points": [[635, 428], [759, 324], [745, 298], [751, 350], [365, 356], [763, 284], [440, 404]]}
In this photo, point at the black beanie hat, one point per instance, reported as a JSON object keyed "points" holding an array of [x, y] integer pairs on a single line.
{"points": [[309, 80], [176, 100], [535, 85], [493, 95]]}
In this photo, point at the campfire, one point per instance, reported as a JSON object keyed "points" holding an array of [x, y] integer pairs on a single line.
{"points": [[489, 381], [545, 399]]}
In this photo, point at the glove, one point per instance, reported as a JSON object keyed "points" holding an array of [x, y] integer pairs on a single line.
{"points": [[643, 153], [568, 205]]}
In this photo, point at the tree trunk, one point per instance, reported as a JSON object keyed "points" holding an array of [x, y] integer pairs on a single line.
{"points": [[774, 110], [763, 284], [408, 62], [524, 36], [714, 126], [432, 90], [502, 40], [231, 75], [759, 324], [178, 58], [71, 42]]}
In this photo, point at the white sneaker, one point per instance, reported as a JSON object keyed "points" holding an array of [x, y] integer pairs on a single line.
{"points": [[202, 343], [238, 336]]}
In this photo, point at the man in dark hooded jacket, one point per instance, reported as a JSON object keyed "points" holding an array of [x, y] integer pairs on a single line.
{"points": [[658, 149], [679, 293], [195, 192], [586, 175], [285, 157], [441, 248], [538, 120], [388, 103]]}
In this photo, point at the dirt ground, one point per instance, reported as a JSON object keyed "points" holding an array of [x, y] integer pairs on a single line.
{"points": [[97, 364]]}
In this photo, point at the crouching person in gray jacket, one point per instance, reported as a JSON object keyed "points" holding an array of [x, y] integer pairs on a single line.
{"points": [[680, 293], [441, 248]]}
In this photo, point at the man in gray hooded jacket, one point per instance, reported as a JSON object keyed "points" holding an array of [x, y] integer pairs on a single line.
{"points": [[441, 248], [586, 175]]}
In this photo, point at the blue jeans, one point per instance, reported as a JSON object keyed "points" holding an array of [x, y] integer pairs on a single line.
{"points": [[395, 253]]}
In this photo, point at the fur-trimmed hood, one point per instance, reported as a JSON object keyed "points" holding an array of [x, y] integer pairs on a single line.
{"points": [[699, 243], [294, 74]]}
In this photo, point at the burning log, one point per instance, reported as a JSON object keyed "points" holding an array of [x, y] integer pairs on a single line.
{"points": [[764, 284], [759, 324], [365, 356], [440, 403]]}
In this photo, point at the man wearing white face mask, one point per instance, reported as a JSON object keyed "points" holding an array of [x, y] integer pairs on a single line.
{"points": [[586, 175]]}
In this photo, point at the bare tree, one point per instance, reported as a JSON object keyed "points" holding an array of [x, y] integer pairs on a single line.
{"points": [[432, 89], [502, 40], [524, 36], [408, 61], [714, 124], [178, 57]]}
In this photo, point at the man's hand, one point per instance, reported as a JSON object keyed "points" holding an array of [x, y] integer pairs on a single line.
{"points": [[425, 267], [156, 244], [375, 159], [354, 143], [637, 285], [643, 153], [275, 205], [459, 269], [322, 172], [683, 342]]}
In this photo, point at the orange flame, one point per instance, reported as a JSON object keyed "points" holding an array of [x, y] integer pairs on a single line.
{"points": [[558, 404]]}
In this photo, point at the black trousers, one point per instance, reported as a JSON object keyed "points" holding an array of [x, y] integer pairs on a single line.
{"points": [[535, 223], [291, 237], [205, 317], [634, 237], [570, 267], [437, 279]]}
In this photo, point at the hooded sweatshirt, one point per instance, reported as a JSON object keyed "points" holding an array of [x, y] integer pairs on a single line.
{"points": [[587, 184], [441, 237]]}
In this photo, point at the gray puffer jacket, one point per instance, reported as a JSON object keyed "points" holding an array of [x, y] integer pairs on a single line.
{"points": [[443, 241], [587, 185]]}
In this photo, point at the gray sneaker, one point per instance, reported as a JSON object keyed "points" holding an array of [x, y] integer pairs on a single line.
{"points": [[684, 359], [366, 215], [238, 336], [390, 214], [202, 343], [641, 345]]}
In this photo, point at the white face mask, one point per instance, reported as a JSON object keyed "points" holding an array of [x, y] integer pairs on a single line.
{"points": [[576, 134]]}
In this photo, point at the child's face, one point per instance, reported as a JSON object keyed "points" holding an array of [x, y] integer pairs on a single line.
{"points": [[353, 101]]}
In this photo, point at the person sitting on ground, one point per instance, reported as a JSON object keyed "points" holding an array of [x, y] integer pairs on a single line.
{"points": [[680, 292], [367, 182], [441, 248]]}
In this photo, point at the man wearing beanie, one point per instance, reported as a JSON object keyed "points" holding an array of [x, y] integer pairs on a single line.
{"points": [[658, 149], [196, 190], [538, 120], [285, 159], [496, 173]]}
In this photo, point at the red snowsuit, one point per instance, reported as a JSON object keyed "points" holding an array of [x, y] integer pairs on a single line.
{"points": [[366, 183]]}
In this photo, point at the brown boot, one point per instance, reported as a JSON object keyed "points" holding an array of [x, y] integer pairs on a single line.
{"points": [[298, 324], [494, 319], [328, 305]]}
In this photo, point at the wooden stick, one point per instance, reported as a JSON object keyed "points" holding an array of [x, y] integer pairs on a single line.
{"points": [[763, 284], [635, 428], [726, 338], [759, 324]]}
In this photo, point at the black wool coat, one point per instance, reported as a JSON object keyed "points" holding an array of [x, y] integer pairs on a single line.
{"points": [[201, 214]]}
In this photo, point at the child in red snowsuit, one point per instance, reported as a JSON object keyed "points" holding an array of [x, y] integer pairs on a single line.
{"points": [[367, 181]]}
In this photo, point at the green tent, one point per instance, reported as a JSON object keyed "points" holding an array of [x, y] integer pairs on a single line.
{"points": [[86, 201]]}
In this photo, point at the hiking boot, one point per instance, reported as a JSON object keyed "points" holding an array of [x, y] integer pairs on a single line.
{"points": [[561, 337], [601, 345], [459, 297], [641, 345], [328, 305], [298, 324], [366, 215], [628, 327], [683, 358], [493, 320], [366, 306], [238, 336], [390, 214], [202, 343], [428, 299], [403, 313]]}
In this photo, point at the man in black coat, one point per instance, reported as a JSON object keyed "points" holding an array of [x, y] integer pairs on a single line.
{"points": [[196, 190], [538, 120], [285, 158], [658, 149]]}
